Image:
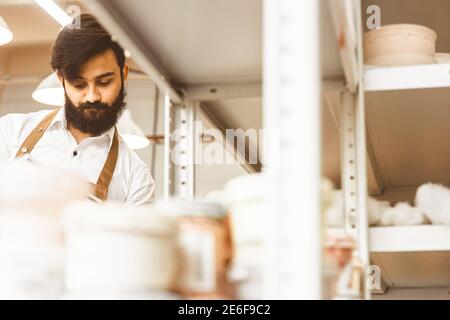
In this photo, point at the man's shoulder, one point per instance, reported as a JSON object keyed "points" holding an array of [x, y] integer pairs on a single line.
{"points": [[22, 118], [16, 122]]}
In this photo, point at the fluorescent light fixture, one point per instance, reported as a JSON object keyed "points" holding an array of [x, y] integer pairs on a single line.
{"points": [[5, 34], [55, 11], [51, 92]]}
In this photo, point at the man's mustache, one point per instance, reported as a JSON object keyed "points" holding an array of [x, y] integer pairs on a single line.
{"points": [[95, 105]]}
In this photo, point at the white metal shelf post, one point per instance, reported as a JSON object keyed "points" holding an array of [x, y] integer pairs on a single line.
{"points": [[292, 115], [347, 20], [179, 148], [354, 177], [361, 156]]}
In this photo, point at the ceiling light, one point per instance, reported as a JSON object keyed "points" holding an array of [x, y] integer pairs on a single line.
{"points": [[55, 11], [5, 34], [50, 91]]}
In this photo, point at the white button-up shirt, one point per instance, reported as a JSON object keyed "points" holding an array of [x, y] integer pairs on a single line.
{"points": [[132, 182]]}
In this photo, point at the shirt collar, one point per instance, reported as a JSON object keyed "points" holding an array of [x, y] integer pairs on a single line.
{"points": [[61, 122], [59, 119]]}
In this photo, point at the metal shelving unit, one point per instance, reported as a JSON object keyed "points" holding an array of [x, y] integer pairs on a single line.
{"points": [[293, 89], [295, 241], [408, 257]]}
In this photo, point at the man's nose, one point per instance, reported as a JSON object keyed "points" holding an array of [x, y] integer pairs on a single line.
{"points": [[93, 95]]}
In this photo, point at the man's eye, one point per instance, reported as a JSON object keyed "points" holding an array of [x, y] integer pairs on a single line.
{"points": [[104, 83], [79, 85]]}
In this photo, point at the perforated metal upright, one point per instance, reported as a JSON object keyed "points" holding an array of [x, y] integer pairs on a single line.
{"points": [[347, 20], [179, 148]]}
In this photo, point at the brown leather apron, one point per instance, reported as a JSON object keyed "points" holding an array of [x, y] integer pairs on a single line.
{"points": [[100, 189]]}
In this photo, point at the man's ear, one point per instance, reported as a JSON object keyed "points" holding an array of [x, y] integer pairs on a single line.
{"points": [[125, 72]]}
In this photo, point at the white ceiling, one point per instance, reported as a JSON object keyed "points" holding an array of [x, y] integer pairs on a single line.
{"points": [[199, 41]]}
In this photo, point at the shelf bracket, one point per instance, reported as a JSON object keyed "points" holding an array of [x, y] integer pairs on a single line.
{"points": [[344, 20]]}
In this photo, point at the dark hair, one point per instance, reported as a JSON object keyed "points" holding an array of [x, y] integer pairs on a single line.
{"points": [[80, 41]]}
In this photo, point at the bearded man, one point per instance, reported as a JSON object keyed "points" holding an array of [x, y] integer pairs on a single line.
{"points": [[81, 137]]}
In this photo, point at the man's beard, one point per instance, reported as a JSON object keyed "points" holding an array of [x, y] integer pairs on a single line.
{"points": [[95, 118]]}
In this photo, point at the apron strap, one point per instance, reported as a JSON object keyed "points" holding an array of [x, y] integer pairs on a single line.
{"points": [[100, 189], [37, 133]]}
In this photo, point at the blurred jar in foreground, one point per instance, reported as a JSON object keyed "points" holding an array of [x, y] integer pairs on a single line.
{"points": [[339, 249], [205, 244], [118, 252], [31, 242], [245, 196]]}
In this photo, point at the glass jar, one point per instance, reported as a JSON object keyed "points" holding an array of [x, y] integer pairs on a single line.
{"points": [[205, 244], [339, 247]]}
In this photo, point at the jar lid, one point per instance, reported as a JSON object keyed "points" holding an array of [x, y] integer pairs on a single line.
{"points": [[115, 216], [191, 208], [22, 181]]}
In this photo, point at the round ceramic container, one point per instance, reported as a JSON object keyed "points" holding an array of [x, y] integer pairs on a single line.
{"points": [[117, 249], [399, 44]]}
